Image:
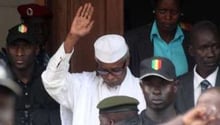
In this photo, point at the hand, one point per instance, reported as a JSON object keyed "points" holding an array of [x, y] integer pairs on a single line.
{"points": [[200, 115], [81, 26], [82, 23]]}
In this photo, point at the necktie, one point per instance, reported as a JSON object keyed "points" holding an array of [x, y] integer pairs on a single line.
{"points": [[205, 85]]}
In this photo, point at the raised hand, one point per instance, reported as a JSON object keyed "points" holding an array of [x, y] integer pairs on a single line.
{"points": [[81, 26], [200, 115], [82, 23]]}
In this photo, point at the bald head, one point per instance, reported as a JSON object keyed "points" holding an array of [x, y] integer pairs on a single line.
{"points": [[203, 27]]}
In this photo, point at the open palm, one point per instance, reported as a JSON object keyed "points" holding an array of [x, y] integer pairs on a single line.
{"points": [[82, 22]]}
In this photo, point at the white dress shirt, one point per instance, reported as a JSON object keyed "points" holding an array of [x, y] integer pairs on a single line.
{"points": [[198, 79], [79, 93]]}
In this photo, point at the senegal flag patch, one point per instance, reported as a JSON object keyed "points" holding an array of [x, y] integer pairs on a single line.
{"points": [[156, 64]]}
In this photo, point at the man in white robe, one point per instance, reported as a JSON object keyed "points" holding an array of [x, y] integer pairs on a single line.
{"points": [[79, 93]]}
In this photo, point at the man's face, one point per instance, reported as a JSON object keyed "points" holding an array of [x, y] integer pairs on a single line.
{"points": [[206, 50], [167, 15], [22, 54], [158, 93], [7, 103], [112, 73], [118, 118]]}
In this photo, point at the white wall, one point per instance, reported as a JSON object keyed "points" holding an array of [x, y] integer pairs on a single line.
{"points": [[9, 16]]}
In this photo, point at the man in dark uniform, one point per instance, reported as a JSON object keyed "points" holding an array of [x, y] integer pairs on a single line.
{"points": [[39, 17], [35, 106], [159, 86], [118, 110], [8, 91]]}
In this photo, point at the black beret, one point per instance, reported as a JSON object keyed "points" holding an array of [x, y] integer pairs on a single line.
{"points": [[34, 10]]}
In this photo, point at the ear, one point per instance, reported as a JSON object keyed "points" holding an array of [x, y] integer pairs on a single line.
{"points": [[37, 50], [175, 85], [191, 51], [141, 84], [112, 122], [176, 82], [142, 88], [5, 49], [127, 61]]}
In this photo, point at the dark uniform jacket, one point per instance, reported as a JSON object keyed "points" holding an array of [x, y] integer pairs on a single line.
{"points": [[145, 120], [35, 106], [141, 47], [185, 92], [141, 119]]}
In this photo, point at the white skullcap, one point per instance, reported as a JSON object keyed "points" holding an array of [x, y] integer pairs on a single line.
{"points": [[110, 48]]}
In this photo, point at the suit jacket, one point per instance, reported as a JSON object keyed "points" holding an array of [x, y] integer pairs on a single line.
{"points": [[185, 93], [141, 47]]}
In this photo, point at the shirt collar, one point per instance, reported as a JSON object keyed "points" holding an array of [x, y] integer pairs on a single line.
{"points": [[211, 78], [155, 32]]}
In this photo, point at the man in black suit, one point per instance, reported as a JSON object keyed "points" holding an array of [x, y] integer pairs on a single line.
{"points": [[205, 48], [159, 86]]}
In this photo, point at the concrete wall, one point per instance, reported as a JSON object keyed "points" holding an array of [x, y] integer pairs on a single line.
{"points": [[9, 16]]}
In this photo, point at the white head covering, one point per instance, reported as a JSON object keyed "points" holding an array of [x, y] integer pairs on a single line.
{"points": [[110, 48]]}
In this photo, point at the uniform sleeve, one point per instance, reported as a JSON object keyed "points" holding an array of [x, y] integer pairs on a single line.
{"points": [[56, 78]]}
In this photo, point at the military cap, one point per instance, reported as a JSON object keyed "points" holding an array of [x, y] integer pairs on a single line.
{"points": [[157, 66], [115, 104], [21, 31], [34, 10]]}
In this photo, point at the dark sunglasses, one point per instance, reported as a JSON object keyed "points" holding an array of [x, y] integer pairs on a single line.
{"points": [[115, 71]]}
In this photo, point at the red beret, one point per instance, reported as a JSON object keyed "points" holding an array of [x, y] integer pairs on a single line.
{"points": [[33, 10]]}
